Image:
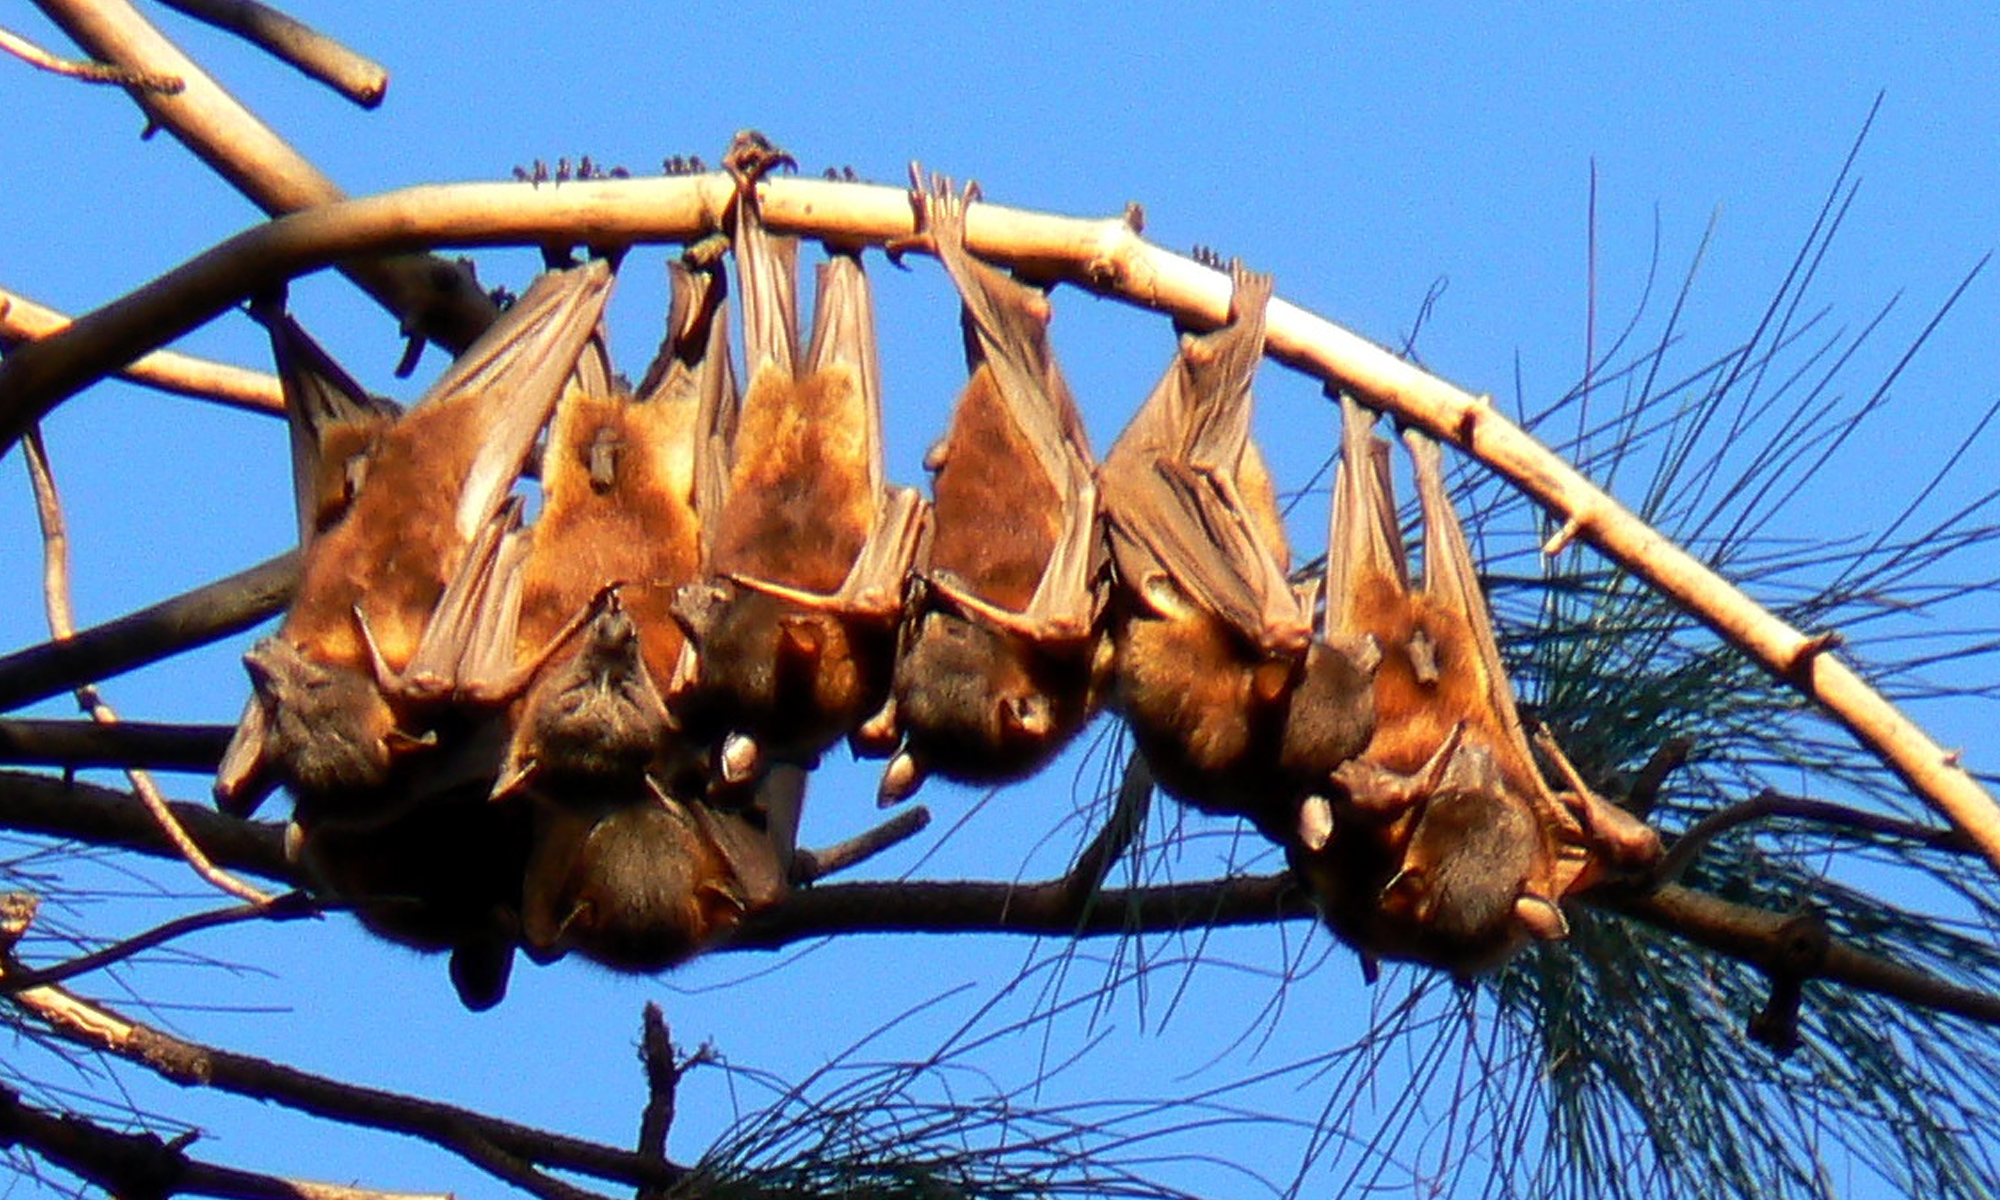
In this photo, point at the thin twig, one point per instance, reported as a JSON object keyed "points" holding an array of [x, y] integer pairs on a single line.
{"points": [[76, 745], [194, 618], [23, 320], [1772, 803], [289, 907], [663, 1080], [311, 52], [141, 1164], [811, 865], [85, 70], [471, 1135], [55, 595], [1105, 256], [429, 296], [1128, 817]]}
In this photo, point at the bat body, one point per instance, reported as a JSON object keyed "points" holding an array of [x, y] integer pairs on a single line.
{"points": [[374, 636], [618, 535], [645, 880], [1235, 703], [1004, 663], [1448, 845], [793, 623]]}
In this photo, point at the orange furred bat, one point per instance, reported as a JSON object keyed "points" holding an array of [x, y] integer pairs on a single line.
{"points": [[1238, 707], [617, 537], [373, 636], [1448, 845], [793, 624], [1004, 661]]}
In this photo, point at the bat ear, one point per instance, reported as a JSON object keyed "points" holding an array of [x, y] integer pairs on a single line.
{"points": [[1409, 895], [1026, 717], [801, 638], [1271, 681], [1540, 916]]}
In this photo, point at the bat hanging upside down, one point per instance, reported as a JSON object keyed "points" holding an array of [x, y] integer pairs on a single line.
{"points": [[1004, 656], [1236, 703], [792, 626], [1446, 844]]}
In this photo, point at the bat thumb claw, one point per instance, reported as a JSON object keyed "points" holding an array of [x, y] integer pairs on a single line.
{"points": [[739, 759], [1540, 916], [1315, 823], [900, 779]]}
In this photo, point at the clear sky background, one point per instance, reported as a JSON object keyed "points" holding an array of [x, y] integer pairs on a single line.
{"points": [[1365, 154]]}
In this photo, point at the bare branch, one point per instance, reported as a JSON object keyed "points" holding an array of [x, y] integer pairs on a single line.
{"points": [[75, 745], [55, 594], [23, 320], [472, 1135], [428, 295], [1105, 256], [663, 1080], [311, 52], [141, 1164], [206, 614], [289, 907], [1128, 817], [84, 69], [1772, 803], [809, 866], [87, 813]]}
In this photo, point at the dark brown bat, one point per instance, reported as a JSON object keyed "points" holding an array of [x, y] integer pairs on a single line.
{"points": [[1235, 703], [1006, 656], [645, 879], [334, 707], [1448, 846], [794, 621]]}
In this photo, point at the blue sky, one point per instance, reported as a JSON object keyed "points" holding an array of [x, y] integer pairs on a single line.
{"points": [[1362, 153]]}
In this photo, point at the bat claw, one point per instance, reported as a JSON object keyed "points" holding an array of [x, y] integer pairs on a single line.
{"points": [[900, 779], [1315, 823], [739, 759]]}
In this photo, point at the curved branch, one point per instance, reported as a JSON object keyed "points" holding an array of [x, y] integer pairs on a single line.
{"points": [[305, 49], [194, 618], [428, 295], [289, 907], [1105, 256], [23, 320]]}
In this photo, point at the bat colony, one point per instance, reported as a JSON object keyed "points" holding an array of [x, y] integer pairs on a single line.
{"points": [[591, 732]]}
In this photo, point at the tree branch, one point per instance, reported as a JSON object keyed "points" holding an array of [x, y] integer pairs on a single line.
{"points": [[140, 1164], [474, 1136], [289, 907], [1106, 256], [428, 295], [76, 745], [310, 52], [83, 69], [195, 618], [87, 813], [23, 320]]}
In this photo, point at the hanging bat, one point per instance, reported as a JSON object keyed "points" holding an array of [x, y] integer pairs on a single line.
{"points": [[340, 688], [1447, 845], [1235, 703], [646, 879], [617, 537], [444, 875], [1006, 657], [793, 623]]}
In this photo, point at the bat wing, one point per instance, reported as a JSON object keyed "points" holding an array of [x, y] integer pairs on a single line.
{"points": [[1007, 333], [334, 423], [522, 363], [1177, 492], [1364, 542], [693, 369], [467, 648]]}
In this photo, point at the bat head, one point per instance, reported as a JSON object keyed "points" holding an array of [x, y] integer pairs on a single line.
{"points": [[983, 706], [331, 732], [597, 714], [635, 889], [1331, 713]]}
